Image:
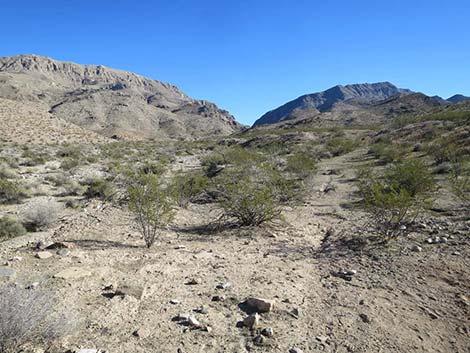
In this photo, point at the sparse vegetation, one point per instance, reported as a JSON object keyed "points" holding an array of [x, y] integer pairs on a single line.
{"points": [[30, 317], [395, 199], [185, 186], [339, 145], [11, 191], [10, 228], [40, 214], [149, 200], [99, 188]]}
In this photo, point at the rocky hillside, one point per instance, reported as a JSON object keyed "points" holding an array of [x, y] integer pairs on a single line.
{"points": [[110, 102], [330, 100]]}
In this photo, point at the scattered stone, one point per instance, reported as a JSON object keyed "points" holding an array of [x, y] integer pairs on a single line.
{"points": [[6, 273], [174, 301], [225, 285], [72, 273], [258, 340], [16, 259], [218, 298], [429, 241], [41, 245], [201, 310], [193, 281], [295, 313], [322, 339], [193, 322], [260, 305], [267, 331], [63, 252], [58, 245], [130, 290], [139, 333], [33, 285], [208, 329], [182, 317], [416, 248], [365, 318], [444, 240], [43, 255], [180, 247], [295, 350], [251, 321]]}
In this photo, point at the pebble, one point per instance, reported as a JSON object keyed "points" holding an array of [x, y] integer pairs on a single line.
{"points": [[365, 318], [416, 248], [295, 350], [251, 321], [174, 301], [193, 281], [43, 255], [258, 340], [183, 317], [33, 285], [218, 298], [201, 310], [16, 258], [225, 285], [268, 332], [260, 305], [193, 322]]}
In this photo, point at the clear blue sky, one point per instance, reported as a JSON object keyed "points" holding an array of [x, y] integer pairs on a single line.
{"points": [[252, 56]]}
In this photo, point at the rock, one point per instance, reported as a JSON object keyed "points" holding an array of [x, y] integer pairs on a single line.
{"points": [[251, 321], [63, 252], [41, 245], [43, 255], [16, 259], [225, 285], [72, 273], [365, 318], [267, 331], [182, 317], [295, 350], [174, 301], [218, 298], [295, 313], [444, 240], [139, 333], [201, 310], [130, 290], [416, 248], [58, 245], [193, 281], [322, 339], [6, 273], [33, 285], [260, 305], [258, 340], [193, 322], [429, 241]]}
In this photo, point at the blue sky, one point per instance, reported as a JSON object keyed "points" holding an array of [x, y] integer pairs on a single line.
{"points": [[252, 56]]}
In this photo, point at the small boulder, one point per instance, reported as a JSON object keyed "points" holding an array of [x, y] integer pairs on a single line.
{"points": [[260, 305], [267, 331], [251, 321], [258, 340]]}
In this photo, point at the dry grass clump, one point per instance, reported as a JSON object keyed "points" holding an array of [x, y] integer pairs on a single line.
{"points": [[40, 214]]}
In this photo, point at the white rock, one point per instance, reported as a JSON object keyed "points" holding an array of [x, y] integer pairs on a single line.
{"points": [[194, 322], [295, 350], [43, 255]]}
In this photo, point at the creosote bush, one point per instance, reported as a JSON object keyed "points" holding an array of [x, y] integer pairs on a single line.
{"points": [[40, 214], [99, 188], [11, 192], [10, 228], [301, 163], [30, 316], [150, 201], [395, 199], [339, 145], [186, 185]]}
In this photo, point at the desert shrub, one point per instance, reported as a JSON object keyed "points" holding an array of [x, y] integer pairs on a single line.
{"points": [[34, 158], [11, 191], [10, 228], [413, 176], [460, 180], [250, 195], [302, 164], [395, 199], [386, 152], [30, 316], [150, 201], [70, 151], [338, 146], [184, 186], [40, 214], [99, 188], [70, 163], [6, 172], [443, 151], [73, 188]]}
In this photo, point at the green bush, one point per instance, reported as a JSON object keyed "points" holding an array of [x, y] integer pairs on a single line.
{"points": [[99, 188], [184, 186], [302, 164], [338, 146], [11, 192], [387, 152], [10, 228], [395, 199], [150, 201]]}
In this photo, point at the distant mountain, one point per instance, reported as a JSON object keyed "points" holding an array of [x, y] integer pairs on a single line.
{"points": [[458, 98], [335, 98], [108, 101]]}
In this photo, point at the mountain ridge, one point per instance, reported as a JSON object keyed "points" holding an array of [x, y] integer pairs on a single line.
{"points": [[109, 101]]}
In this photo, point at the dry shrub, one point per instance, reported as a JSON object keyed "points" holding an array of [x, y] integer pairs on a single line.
{"points": [[40, 214]]}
